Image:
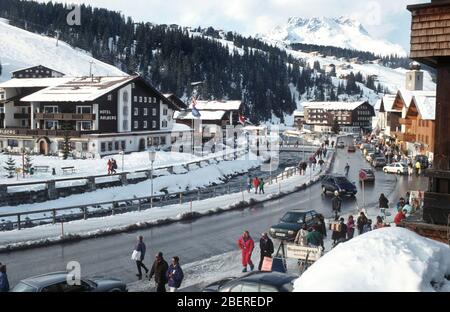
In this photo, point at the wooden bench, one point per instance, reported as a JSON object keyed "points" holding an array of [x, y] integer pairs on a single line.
{"points": [[68, 169], [41, 168]]}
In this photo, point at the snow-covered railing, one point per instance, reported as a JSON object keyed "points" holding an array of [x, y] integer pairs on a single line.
{"points": [[20, 220]]}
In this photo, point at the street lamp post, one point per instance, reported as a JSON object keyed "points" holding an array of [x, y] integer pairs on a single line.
{"points": [[152, 156]]}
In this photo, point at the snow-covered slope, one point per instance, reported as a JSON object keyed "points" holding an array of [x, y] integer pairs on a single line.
{"points": [[342, 32], [20, 48]]}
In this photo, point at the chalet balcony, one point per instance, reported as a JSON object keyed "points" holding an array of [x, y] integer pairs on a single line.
{"points": [[405, 137], [43, 132], [64, 116], [21, 116], [406, 122]]}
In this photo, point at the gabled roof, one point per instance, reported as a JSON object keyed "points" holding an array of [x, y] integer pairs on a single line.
{"points": [[218, 105], [388, 102], [175, 101], [31, 67], [425, 105], [333, 105], [404, 97], [83, 89]]}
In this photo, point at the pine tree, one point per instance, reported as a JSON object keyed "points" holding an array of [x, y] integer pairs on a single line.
{"points": [[10, 167], [335, 128], [28, 163], [66, 143]]}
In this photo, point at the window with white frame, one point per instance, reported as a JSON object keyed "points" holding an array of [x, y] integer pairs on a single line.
{"points": [[145, 124], [125, 97], [165, 112], [164, 123], [153, 111], [84, 110], [140, 99], [154, 100], [136, 111], [84, 125], [136, 124], [135, 98], [153, 124], [125, 110], [145, 99], [125, 125], [51, 109], [51, 124], [109, 97], [145, 111]]}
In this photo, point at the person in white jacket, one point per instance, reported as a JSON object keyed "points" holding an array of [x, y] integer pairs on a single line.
{"points": [[300, 239]]}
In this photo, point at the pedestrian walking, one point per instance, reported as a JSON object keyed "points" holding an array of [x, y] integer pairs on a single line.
{"points": [[140, 248], [174, 275], [261, 186], [300, 238], [266, 249], [332, 144], [336, 231], [4, 282], [418, 167], [246, 245], [362, 220], [249, 183], [347, 169], [350, 227], [113, 166], [256, 184], [336, 203], [109, 166], [159, 270], [383, 202], [314, 238], [321, 227]]}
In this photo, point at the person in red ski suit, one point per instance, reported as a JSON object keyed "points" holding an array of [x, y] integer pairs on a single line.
{"points": [[246, 244], [256, 184]]}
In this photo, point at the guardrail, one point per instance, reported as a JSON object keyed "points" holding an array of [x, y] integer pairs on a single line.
{"points": [[57, 215], [50, 191]]}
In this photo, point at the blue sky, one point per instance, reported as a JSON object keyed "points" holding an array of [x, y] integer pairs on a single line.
{"points": [[387, 19]]}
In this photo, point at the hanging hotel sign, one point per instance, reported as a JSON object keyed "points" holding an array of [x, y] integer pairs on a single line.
{"points": [[106, 114]]}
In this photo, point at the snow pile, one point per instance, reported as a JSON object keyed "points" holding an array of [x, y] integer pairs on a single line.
{"points": [[20, 48], [388, 259], [342, 32]]}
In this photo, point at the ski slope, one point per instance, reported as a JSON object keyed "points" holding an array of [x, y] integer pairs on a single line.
{"points": [[20, 49]]}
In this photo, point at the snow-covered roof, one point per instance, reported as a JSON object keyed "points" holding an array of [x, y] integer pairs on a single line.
{"points": [[388, 102], [204, 115], [408, 95], [333, 105], [79, 89], [177, 127], [426, 106], [33, 82], [218, 105], [299, 113], [31, 67]]}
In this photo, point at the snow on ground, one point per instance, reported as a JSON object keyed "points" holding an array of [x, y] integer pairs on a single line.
{"points": [[90, 167], [122, 222], [20, 48], [197, 178], [388, 259]]}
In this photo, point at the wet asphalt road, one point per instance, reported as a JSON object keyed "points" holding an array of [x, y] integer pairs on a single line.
{"points": [[202, 238]]}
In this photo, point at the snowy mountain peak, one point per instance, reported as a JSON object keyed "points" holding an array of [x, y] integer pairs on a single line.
{"points": [[343, 32]]}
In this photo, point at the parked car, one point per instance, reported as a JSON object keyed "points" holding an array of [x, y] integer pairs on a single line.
{"points": [[292, 222], [341, 144], [332, 183], [255, 282], [371, 156], [399, 168], [351, 149], [369, 174], [57, 282], [379, 162], [423, 160]]}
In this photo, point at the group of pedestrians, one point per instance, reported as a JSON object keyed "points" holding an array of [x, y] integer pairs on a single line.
{"points": [[112, 166], [257, 184], [246, 244], [162, 272]]}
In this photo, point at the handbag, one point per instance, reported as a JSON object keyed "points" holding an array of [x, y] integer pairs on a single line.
{"points": [[136, 255]]}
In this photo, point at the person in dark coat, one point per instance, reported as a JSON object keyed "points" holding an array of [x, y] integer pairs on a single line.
{"points": [[140, 246], [383, 201], [336, 203], [314, 238], [343, 231], [4, 283], [159, 270], [361, 222], [266, 247], [174, 274], [322, 228]]}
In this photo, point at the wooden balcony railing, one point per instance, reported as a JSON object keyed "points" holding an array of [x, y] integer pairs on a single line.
{"points": [[64, 116], [404, 121]]}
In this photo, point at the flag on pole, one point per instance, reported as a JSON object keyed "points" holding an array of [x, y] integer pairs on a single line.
{"points": [[195, 111]]}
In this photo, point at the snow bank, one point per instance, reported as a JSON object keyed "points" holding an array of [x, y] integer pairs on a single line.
{"points": [[388, 259]]}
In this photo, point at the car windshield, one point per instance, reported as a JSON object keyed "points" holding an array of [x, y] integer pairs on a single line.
{"points": [[341, 180], [368, 171], [293, 217], [22, 287]]}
